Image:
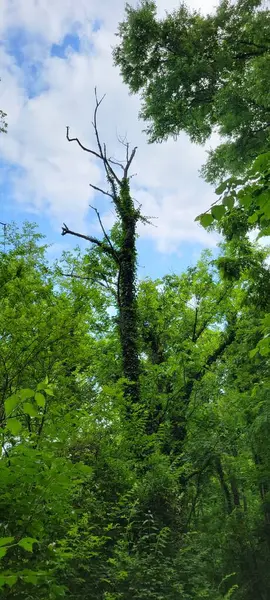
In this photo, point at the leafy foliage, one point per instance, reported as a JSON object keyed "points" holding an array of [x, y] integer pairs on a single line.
{"points": [[92, 506], [200, 75], [134, 447], [245, 202]]}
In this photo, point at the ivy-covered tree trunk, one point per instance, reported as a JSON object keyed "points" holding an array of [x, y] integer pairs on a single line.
{"points": [[128, 319], [123, 254]]}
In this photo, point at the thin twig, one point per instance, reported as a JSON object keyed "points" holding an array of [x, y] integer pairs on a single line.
{"points": [[98, 189], [106, 163], [116, 162], [105, 233], [92, 279]]}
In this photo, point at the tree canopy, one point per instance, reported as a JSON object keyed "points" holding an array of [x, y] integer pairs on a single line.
{"points": [[202, 74], [92, 506]]}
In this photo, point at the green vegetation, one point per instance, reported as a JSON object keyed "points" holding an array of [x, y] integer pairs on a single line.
{"points": [[174, 507], [204, 75], [200, 75], [134, 417]]}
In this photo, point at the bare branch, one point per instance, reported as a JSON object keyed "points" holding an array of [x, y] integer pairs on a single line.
{"points": [[122, 140], [88, 238], [98, 189], [116, 162], [105, 234], [98, 103], [129, 158], [82, 146], [103, 156], [129, 161], [92, 279]]}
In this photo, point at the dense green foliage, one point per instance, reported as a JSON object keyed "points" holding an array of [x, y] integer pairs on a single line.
{"points": [[134, 418], [93, 507], [202, 74], [244, 202]]}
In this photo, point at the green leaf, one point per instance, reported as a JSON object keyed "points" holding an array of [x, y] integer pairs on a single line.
{"points": [[6, 540], [14, 426], [32, 578], [266, 208], [40, 399], [218, 211], [3, 552], [26, 393], [85, 469], [49, 391], [27, 543], [221, 188], [262, 163], [265, 232], [206, 220], [228, 201], [253, 218], [11, 580], [235, 182], [245, 200], [30, 410], [253, 352], [264, 346], [11, 403], [43, 384]]}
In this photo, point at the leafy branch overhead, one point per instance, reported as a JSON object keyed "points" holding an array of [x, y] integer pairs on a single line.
{"points": [[249, 195], [202, 74]]}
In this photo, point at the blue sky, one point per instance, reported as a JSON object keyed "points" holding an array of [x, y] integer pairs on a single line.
{"points": [[52, 55]]}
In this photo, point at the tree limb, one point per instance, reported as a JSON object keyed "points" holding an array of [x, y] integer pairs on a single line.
{"points": [[105, 234], [129, 161], [106, 285], [98, 189], [81, 145], [88, 238]]}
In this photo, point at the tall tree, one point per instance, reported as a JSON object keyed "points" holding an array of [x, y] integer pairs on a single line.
{"points": [[122, 253], [202, 74]]}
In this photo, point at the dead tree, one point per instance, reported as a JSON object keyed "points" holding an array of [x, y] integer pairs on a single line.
{"points": [[124, 255]]}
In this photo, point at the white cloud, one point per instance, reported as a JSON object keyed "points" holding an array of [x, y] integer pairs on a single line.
{"points": [[54, 176]]}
